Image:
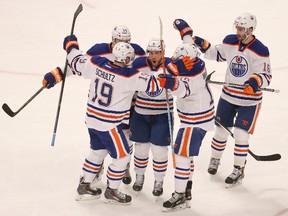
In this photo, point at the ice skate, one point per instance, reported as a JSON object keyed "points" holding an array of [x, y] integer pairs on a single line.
{"points": [[235, 178], [188, 194], [213, 166], [138, 185], [176, 202], [158, 189], [85, 192], [114, 196], [127, 177]]}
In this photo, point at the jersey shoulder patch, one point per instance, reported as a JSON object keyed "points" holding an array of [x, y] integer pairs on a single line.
{"points": [[259, 48], [140, 62], [231, 40], [138, 49], [99, 49], [108, 66]]}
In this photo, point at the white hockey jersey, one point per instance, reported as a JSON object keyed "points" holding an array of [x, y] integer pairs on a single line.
{"points": [[151, 103], [243, 61], [111, 89], [195, 104]]}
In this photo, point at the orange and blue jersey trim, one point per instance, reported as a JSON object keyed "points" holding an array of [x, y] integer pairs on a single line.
{"points": [[196, 118], [108, 116]]}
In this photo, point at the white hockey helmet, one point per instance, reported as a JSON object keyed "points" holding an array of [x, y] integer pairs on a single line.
{"points": [[246, 21], [187, 49], [123, 53], [121, 32], [155, 45]]}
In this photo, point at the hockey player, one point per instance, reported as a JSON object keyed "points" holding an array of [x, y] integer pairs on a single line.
{"points": [[149, 123], [111, 89], [120, 33], [195, 109], [248, 63]]}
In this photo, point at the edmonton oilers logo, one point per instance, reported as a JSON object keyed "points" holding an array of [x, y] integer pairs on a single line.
{"points": [[238, 66], [154, 94]]}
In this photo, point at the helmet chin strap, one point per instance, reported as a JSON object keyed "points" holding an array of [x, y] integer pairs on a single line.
{"points": [[247, 35]]}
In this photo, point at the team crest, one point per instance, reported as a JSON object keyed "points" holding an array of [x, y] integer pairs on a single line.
{"points": [[238, 66], [155, 93]]}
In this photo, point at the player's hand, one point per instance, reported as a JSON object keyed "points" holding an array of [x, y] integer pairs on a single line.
{"points": [[53, 77], [201, 43], [253, 84], [168, 81], [172, 68], [188, 62], [181, 66], [70, 42], [183, 27]]}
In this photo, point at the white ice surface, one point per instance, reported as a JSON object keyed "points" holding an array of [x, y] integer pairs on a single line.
{"points": [[40, 180]]}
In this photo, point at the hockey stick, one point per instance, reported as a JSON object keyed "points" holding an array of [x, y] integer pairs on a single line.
{"points": [[208, 80], [77, 12], [166, 93], [8, 110], [166, 90], [272, 157]]}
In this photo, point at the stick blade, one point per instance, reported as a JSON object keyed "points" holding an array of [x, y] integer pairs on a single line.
{"points": [[78, 11], [273, 157], [8, 111]]}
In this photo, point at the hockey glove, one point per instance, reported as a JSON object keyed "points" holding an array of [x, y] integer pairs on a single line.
{"points": [[183, 27], [253, 84], [188, 62], [70, 42], [168, 81], [201, 43], [181, 66], [53, 77], [173, 69]]}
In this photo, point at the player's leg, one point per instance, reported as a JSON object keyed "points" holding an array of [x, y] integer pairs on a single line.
{"points": [[225, 114], [244, 126], [160, 139], [140, 134], [117, 145], [187, 145], [91, 166]]}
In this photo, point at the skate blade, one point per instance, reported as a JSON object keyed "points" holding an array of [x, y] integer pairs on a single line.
{"points": [[228, 186], [86, 197], [177, 208], [114, 202]]}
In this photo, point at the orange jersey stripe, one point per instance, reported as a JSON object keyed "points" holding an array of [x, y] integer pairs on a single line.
{"points": [[153, 104], [196, 118], [105, 115]]}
